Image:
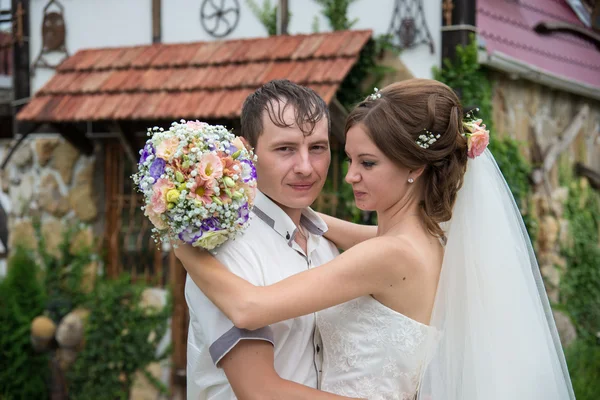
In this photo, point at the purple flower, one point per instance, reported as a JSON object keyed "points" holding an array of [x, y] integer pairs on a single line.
{"points": [[189, 236], [157, 168], [146, 152], [232, 149], [210, 224], [249, 171], [244, 213]]}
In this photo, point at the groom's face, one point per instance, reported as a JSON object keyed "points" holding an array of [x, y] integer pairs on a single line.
{"points": [[292, 166]]}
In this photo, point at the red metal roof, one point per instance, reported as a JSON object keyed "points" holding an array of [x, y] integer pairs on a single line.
{"points": [[507, 27], [204, 80]]}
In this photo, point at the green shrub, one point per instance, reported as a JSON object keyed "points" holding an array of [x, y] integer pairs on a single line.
{"points": [[121, 338], [580, 286], [583, 359], [23, 372]]}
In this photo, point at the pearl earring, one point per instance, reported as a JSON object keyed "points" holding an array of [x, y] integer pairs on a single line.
{"points": [[410, 180]]}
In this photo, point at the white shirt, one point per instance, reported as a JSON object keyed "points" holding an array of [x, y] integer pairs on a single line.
{"points": [[264, 254]]}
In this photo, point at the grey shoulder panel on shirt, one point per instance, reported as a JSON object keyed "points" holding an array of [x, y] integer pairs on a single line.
{"points": [[229, 339]]}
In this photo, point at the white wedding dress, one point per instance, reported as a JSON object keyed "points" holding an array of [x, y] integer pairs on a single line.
{"points": [[491, 335], [371, 351]]}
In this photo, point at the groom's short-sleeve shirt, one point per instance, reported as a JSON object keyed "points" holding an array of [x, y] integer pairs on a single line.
{"points": [[264, 254]]}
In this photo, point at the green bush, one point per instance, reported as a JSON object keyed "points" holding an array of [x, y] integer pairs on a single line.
{"points": [[583, 359], [516, 170], [121, 338], [23, 372], [580, 286], [469, 79]]}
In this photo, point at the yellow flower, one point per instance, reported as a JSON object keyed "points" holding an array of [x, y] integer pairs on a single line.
{"points": [[173, 195], [211, 239]]}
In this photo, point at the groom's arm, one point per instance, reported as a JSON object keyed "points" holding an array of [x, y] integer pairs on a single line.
{"points": [[249, 367], [247, 357]]}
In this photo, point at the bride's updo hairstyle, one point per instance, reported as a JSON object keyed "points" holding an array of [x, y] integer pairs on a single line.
{"points": [[397, 117]]}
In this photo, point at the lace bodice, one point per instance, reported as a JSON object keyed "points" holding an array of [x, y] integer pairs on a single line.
{"points": [[371, 351]]}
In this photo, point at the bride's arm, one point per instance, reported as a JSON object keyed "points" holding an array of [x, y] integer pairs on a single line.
{"points": [[346, 234], [364, 269]]}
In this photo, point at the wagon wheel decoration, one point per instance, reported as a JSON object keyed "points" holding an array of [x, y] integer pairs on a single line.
{"points": [[219, 17]]}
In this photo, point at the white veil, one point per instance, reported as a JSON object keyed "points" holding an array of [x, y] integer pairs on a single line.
{"points": [[498, 339]]}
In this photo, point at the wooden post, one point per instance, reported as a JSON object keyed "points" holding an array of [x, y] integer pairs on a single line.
{"points": [[21, 73], [179, 322], [282, 18], [458, 24], [156, 21]]}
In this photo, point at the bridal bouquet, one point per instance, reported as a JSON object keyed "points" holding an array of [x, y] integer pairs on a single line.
{"points": [[198, 182]]}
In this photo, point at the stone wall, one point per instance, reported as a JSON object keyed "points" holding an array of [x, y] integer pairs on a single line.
{"points": [[517, 104], [49, 178], [517, 107]]}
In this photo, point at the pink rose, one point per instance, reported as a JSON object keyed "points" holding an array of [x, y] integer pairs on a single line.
{"points": [[196, 124], [474, 125], [167, 148], [237, 142], [155, 218], [210, 167], [158, 202], [477, 141]]}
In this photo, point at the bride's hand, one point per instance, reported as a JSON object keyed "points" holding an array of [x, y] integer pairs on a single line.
{"points": [[191, 256]]}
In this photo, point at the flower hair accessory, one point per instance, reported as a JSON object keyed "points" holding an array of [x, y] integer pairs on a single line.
{"points": [[477, 136], [427, 139], [376, 95]]}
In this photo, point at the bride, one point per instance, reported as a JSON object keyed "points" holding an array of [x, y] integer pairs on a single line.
{"points": [[445, 300]]}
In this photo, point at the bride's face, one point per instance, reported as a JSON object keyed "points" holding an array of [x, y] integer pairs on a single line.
{"points": [[378, 183]]}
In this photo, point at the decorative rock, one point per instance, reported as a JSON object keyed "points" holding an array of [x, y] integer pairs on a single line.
{"points": [[82, 240], [548, 233], [63, 160], [559, 262], [83, 314], [44, 149], [5, 180], [70, 331], [42, 332], [566, 329], [22, 233], [22, 194], [23, 156], [85, 176], [88, 280], [50, 198], [142, 388], [564, 237], [66, 357], [560, 194], [551, 275], [152, 300], [52, 231], [553, 294], [83, 203]]}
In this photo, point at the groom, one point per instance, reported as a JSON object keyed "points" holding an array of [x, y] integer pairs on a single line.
{"points": [[288, 126]]}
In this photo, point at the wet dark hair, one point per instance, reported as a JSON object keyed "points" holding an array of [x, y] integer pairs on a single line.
{"points": [[396, 119], [309, 108]]}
